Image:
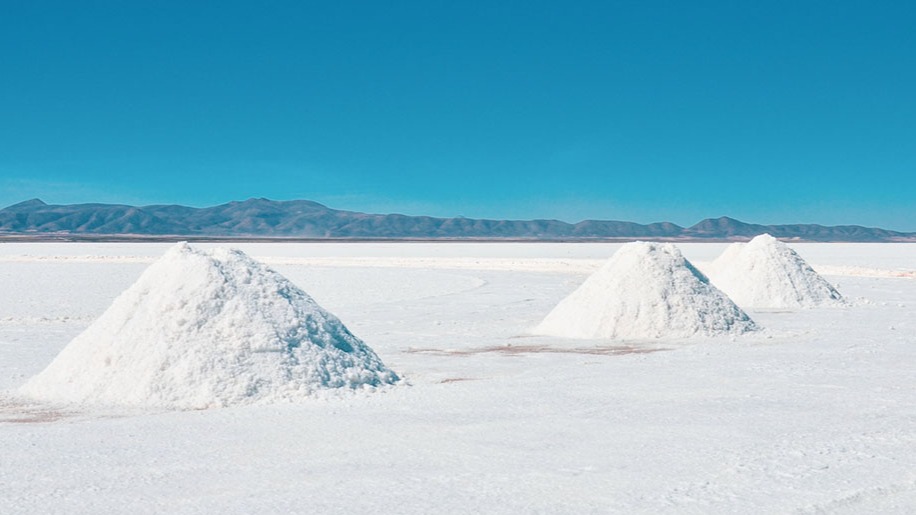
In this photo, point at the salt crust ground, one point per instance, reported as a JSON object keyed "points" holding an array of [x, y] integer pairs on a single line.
{"points": [[815, 416], [644, 291], [208, 329]]}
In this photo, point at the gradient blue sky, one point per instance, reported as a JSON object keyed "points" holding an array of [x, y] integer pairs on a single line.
{"points": [[770, 112]]}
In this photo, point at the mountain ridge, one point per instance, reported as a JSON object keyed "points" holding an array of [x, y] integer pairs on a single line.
{"points": [[306, 219]]}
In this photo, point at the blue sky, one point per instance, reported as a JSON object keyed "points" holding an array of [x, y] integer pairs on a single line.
{"points": [[770, 112]]}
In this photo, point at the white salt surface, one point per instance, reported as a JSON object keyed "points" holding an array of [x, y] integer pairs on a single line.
{"points": [[645, 291], [767, 273], [817, 415], [207, 329]]}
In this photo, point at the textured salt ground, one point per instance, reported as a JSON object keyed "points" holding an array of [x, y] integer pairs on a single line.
{"points": [[818, 418]]}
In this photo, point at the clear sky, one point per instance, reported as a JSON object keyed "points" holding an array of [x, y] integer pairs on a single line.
{"points": [[770, 112]]}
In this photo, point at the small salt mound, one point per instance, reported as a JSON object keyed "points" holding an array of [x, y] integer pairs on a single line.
{"points": [[766, 273], [208, 329], [646, 290]]}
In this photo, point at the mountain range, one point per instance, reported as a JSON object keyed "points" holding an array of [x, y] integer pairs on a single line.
{"points": [[303, 219]]}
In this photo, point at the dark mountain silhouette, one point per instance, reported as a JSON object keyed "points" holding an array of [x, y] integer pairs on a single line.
{"points": [[263, 218], [729, 228]]}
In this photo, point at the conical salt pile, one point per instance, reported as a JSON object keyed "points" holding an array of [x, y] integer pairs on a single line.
{"points": [[208, 329], [646, 290], [766, 273]]}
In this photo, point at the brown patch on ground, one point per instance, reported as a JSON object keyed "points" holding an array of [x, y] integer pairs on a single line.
{"points": [[13, 412], [514, 350], [457, 380]]}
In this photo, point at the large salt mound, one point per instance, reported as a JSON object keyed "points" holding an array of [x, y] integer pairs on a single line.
{"points": [[766, 273], [208, 329], [646, 290]]}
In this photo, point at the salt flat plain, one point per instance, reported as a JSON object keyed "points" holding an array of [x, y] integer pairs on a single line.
{"points": [[815, 414]]}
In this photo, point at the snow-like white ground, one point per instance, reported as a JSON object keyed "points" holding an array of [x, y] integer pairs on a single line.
{"points": [[815, 414]]}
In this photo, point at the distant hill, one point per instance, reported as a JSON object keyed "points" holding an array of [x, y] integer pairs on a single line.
{"points": [[263, 218]]}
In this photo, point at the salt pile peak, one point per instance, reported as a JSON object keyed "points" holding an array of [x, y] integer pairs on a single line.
{"points": [[645, 291], [208, 329], [766, 273]]}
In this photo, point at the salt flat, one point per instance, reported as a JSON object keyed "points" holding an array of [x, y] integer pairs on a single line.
{"points": [[815, 414]]}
